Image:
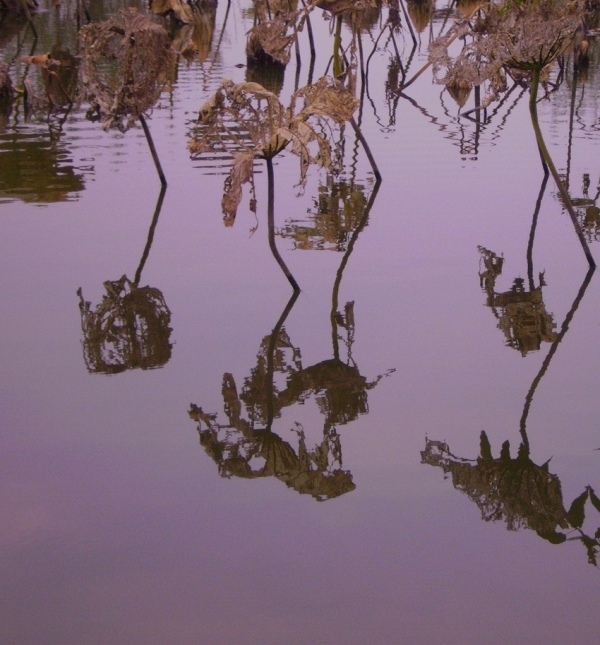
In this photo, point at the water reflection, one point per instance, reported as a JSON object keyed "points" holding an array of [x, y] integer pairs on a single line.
{"points": [[516, 490], [249, 447], [520, 311], [129, 328], [37, 168]]}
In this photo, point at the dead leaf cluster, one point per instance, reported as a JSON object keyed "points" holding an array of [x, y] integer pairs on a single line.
{"points": [[125, 64], [249, 122], [128, 329], [514, 36]]}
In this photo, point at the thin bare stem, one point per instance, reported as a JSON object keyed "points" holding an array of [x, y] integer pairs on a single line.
{"points": [[552, 168], [271, 225], [159, 169]]}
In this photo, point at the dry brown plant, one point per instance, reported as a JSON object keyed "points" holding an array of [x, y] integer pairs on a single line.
{"points": [[250, 123], [125, 65], [515, 35]]}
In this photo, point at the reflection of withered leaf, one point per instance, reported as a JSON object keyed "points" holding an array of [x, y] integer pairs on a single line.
{"points": [[129, 329], [252, 454], [517, 491], [125, 64], [337, 7], [6, 86], [194, 40], [420, 12]]}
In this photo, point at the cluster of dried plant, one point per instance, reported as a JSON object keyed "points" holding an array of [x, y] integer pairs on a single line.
{"points": [[513, 37], [126, 62], [128, 329], [519, 492], [250, 123]]}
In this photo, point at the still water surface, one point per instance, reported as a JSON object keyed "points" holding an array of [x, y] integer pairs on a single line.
{"points": [[151, 505]]}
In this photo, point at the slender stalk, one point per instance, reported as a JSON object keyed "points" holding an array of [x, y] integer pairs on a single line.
{"points": [[271, 360], [337, 44], [563, 330], [340, 272], [271, 225], [157, 209], [360, 136], [536, 213], [552, 168], [159, 169]]}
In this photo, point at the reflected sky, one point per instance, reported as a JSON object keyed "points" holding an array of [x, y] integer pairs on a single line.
{"points": [[116, 524]]}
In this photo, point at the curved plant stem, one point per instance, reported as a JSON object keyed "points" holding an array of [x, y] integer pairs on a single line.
{"points": [[561, 334], [157, 209], [271, 225], [547, 160], [159, 169]]}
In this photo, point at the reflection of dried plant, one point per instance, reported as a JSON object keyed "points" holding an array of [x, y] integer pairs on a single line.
{"points": [[272, 36], [180, 9], [6, 87], [250, 123], [129, 329], [521, 313], [240, 450], [337, 212], [519, 492], [124, 67]]}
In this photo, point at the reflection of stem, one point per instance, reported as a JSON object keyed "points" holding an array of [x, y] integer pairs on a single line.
{"points": [[552, 168], [571, 115], [271, 225], [551, 352], [367, 150], [159, 203], [159, 169], [344, 262], [536, 212], [271, 358]]}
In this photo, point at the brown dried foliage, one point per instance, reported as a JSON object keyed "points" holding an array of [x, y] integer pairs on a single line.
{"points": [[511, 36], [125, 65], [250, 123], [128, 329]]}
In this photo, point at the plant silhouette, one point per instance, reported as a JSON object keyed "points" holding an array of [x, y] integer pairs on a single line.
{"points": [[250, 448], [130, 327], [250, 123], [516, 490]]}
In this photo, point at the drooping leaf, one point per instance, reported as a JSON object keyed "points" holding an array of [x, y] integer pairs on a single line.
{"points": [[594, 499], [241, 173], [247, 117], [554, 537], [576, 512]]}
